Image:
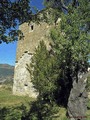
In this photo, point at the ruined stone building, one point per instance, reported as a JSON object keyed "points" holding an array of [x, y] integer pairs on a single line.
{"points": [[33, 34]]}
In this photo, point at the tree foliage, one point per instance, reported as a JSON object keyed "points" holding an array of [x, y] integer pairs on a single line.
{"points": [[56, 3], [44, 74], [72, 47], [43, 71], [53, 76], [42, 110], [12, 14]]}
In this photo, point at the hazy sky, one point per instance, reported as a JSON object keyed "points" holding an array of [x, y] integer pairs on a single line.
{"points": [[8, 51]]}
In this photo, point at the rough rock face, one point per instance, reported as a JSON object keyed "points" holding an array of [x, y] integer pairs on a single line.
{"points": [[22, 82], [78, 98]]}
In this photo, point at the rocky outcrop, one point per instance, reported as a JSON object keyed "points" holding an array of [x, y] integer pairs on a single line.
{"points": [[77, 102]]}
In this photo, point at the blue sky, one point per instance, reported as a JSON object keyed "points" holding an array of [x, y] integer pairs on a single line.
{"points": [[8, 51]]}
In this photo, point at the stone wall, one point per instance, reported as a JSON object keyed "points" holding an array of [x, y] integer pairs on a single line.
{"points": [[22, 82], [33, 34]]}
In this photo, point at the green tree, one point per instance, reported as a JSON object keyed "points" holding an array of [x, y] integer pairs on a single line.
{"points": [[42, 110], [44, 75], [56, 3], [71, 49], [43, 71], [71, 45], [12, 14]]}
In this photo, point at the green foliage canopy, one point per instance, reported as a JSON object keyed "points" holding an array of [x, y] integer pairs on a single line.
{"points": [[72, 46], [44, 72], [12, 14], [44, 75]]}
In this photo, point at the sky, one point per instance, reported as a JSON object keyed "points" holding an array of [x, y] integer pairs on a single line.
{"points": [[8, 51]]}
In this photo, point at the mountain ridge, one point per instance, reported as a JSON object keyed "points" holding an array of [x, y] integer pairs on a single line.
{"points": [[6, 73]]}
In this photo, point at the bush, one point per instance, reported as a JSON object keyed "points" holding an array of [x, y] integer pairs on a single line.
{"points": [[42, 110], [13, 113]]}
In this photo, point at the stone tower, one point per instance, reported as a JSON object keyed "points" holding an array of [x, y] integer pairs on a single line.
{"points": [[33, 34]]}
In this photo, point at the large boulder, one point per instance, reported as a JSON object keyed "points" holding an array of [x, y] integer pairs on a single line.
{"points": [[77, 102]]}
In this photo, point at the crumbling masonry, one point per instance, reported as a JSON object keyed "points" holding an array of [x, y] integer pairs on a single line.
{"points": [[33, 34]]}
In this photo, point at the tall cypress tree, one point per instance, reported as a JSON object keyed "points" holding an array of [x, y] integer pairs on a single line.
{"points": [[43, 71], [44, 74]]}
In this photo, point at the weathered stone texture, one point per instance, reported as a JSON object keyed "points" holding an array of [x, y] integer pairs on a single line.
{"points": [[32, 37], [77, 102], [22, 83], [33, 34]]}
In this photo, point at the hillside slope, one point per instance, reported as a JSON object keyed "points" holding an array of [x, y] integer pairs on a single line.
{"points": [[6, 73]]}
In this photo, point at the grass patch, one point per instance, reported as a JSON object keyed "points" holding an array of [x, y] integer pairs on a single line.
{"points": [[14, 107], [8, 99]]}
